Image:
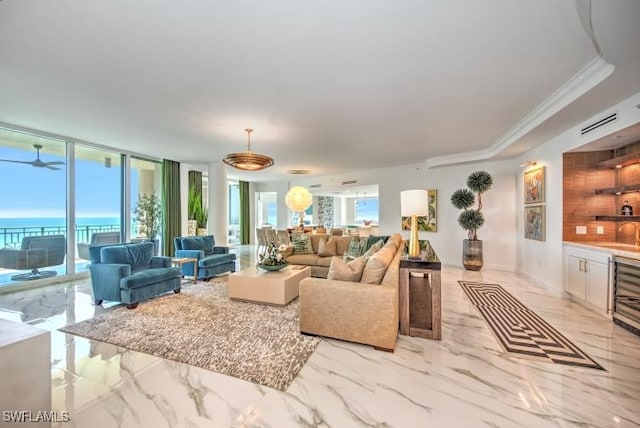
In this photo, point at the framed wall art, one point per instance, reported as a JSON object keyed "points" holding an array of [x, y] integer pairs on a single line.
{"points": [[534, 222], [534, 186], [426, 223]]}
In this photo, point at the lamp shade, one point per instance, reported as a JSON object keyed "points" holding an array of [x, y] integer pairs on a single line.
{"points": [[414, 202], [298, 198]]}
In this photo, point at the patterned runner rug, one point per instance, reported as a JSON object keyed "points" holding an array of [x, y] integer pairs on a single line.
{"points": [[203, 328], [520, 331]]}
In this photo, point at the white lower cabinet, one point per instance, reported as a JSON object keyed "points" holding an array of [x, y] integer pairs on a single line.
{"points": [[587, 277]]}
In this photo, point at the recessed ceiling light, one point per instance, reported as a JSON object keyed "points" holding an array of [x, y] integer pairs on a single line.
{"points": [[618, 166], [298, 171]]}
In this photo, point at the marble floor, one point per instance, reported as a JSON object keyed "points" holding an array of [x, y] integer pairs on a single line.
{"points": [[464, 380]]}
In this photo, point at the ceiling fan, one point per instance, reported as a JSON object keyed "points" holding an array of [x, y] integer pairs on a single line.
{"points": [[37, 162]]}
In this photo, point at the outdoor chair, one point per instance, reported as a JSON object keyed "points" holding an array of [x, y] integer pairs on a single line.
{"points": [[35, 252], [97, 239]]}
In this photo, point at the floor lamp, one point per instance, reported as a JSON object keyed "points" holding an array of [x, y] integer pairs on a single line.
{"points": [[414, 203]]}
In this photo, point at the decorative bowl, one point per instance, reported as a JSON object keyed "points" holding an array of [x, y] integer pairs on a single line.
{"points": [[272, 268]]}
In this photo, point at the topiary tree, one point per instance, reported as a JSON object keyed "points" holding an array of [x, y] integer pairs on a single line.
{"points": [[472, 219]]}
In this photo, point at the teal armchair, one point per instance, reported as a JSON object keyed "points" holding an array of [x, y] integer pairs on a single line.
{"points": [[212, 260], [130, 273]]}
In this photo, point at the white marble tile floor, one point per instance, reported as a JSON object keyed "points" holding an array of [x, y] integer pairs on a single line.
{"points": [[464, 380]]}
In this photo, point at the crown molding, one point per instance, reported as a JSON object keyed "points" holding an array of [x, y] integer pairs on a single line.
{"points": [[579, 84]]}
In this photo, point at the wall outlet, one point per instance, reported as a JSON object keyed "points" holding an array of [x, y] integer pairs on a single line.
{"points": [[581, 230], [600, 230]]}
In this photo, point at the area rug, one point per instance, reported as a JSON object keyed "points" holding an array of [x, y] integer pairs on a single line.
{"points": [[520, 331], [203, 328]]}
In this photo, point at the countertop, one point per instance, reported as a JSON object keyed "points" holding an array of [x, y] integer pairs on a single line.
{"points": [[613, 248]]}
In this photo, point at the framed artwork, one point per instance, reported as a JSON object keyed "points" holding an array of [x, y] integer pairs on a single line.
{"points": [[534, 186], [534, 222], [426, 223]]}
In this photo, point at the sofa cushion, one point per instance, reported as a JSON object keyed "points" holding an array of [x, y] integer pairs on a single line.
{"points": [[215, 260], [301, 244], [137, 255], [327, 247], [377, 265], [342, 271], [204, 243], [342, 244], [149, 276], [355, 250], [324, 261], [303, 259]]}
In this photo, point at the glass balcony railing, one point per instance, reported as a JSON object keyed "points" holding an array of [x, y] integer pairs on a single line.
{"points": [[11, 237]]}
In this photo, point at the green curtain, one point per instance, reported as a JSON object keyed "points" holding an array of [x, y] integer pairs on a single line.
{"points": [[171, 212], [245, 229]]}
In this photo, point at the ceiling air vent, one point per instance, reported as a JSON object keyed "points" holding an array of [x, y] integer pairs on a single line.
{"points": [[344, 183], [598, 124], [315, 185]]}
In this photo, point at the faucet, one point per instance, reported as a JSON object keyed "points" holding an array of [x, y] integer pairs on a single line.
{"points": [[635, 225]]}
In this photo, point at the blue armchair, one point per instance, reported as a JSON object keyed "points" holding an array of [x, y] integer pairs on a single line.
{"points": [[35, 252], [129, 273], [212, 260]]}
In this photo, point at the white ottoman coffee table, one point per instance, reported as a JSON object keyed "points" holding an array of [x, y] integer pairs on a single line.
{"points": [[272, 288]]}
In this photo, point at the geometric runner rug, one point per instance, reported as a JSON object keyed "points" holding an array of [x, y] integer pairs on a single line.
{"points": [[203, 328], [520, 331]]}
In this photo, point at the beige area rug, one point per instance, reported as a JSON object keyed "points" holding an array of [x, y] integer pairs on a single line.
{"points": [[203, 328]]}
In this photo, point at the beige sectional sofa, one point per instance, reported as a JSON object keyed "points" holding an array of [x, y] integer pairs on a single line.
{"points": [[354, 311], [319, 264]]}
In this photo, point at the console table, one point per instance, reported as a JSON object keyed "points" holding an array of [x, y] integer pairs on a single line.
{"points": [[420, 299]]}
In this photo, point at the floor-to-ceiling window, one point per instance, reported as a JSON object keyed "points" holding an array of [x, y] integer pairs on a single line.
{"points": [[266, 209], [33, 210], [98, 188], [145, 182], [234, 213]]}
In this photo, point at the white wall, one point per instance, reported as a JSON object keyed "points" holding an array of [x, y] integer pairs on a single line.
{"points": [[543, 261]]}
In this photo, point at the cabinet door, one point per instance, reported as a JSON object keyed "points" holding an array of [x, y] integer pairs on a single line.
{"points": [[597, 284], [576, 280]]}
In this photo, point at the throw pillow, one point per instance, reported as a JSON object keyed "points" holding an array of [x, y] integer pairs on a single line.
{"points": [[342, 271], [377, 265], [301, 244], [373, 249], [355, 250], [372, 239], [327, 248]]}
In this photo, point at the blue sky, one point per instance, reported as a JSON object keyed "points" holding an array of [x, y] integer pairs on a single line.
{"points": [[40, 192]]}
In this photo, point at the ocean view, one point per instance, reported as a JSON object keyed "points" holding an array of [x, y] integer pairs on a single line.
{"points": [[56, 221], [12, 230]]}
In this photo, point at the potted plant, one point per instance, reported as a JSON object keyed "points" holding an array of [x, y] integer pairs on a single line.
{"points": [[202, 216], [194, 205], [472, 219], [148, 217]]}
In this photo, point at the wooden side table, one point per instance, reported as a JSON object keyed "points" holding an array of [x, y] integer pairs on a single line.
{"points": [[179, 261], [420, 299]]}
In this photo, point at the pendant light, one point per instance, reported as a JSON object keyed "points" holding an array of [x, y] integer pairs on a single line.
{"points": [[248, 160]]}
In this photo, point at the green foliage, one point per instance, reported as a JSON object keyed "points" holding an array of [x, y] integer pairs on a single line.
{"points": [[148, 215], [201, 217], [479, 181], [463, 199], [195, 203], [472, 219]]}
